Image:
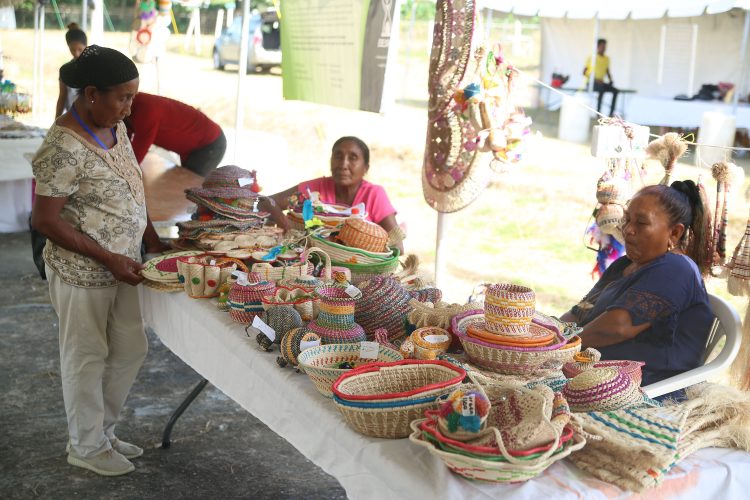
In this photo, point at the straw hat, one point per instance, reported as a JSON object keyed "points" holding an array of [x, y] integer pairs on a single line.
{"points": [[603, 389], [224, 182]]}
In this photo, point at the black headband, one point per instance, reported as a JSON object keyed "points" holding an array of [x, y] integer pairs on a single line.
{"points": [[100, 67]]}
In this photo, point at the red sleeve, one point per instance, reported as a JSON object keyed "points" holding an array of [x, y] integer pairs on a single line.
{"points": [[144, 125]]}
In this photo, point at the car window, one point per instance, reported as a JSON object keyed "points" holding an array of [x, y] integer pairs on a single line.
{"points": [[236, 26]]}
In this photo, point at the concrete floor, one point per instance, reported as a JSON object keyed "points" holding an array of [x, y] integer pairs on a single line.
{"points": [[218, 449]]}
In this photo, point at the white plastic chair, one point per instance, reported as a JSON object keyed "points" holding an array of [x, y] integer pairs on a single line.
{"points": [[727, 325]]}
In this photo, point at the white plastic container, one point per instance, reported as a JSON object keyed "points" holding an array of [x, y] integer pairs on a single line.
{"points": [[575, 119], [717, 129]]}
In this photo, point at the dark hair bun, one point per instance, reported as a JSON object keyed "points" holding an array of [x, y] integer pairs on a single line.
{"points": [[689, 189], [100, 67]]}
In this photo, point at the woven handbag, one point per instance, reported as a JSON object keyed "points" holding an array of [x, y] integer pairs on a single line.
{"points": [[295, 269], [381, 399], [321, 363], [201, 275]]}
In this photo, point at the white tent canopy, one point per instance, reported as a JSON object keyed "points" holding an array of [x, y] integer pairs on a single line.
{"points": [[632, 9]]}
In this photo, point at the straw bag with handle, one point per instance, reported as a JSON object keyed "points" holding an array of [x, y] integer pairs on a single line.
{"points": [[295, 270]]}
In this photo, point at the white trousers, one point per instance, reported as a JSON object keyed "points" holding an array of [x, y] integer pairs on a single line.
{"points": [[102, 347]]}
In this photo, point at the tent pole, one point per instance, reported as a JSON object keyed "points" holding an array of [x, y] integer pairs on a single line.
{"points": [[239, 117], [590, 86], [440, 250], [743, 62]]}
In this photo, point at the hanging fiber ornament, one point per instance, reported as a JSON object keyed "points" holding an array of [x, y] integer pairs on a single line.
{"points": [[667, 149], [722, 172], [463, 414]]}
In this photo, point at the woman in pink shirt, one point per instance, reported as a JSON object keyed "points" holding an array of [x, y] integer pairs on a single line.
{"points": [[350, 161]]}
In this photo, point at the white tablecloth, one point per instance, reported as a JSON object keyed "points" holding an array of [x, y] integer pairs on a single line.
{"points": [[289, 405], [15, 183], [671, 113]]}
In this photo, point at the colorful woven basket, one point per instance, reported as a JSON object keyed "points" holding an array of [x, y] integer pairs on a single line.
{"points": [[509, 309], [381, 399], [384, 304], [335, 321], [245, 301], [603, 389], [511, 360], [590, 358], [343, 253], [303, 302], [291, 345], [359, 233], [201, 275], [321, 363], [429, 342]]}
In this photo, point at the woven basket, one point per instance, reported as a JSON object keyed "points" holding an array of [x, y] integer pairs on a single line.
{"points": [[303, 302], [291, 345], [335, 322], [388, 396], [425, 342], [384, 304], [245, 301], [362, 272], [510, 360], [495, 471], [294, 270], [509, 309], [200, 278], [359, 233], [342, 253], [319, 362], [296, 221]]}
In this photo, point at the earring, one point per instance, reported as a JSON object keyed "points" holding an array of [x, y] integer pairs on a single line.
{"points": [[670, 246], [92, 101]]}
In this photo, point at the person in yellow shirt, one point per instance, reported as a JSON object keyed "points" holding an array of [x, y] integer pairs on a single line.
{"points": [[601, 69]]}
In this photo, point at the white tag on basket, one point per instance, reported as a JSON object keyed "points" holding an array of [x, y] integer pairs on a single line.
{"points": [[369, 350], [212, 263], [436, 339], [468, 406], [307, 344], [353, 292], [267, 330], [241, 278], [245, 181]]}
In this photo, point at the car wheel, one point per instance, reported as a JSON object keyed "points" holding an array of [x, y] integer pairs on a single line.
{"points": [[218, 64]]}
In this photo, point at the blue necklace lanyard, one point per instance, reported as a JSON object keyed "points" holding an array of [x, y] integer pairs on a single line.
{"points": [[89, 131]]}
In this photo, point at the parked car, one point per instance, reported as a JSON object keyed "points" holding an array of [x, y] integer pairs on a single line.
{"points": [[264, 43]]}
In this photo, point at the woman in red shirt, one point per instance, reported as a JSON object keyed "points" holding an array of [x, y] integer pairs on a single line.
{"points": [[178, 127], [350, 161]]}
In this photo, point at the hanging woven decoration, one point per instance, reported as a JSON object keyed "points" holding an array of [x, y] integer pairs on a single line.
{"points": [[724, 173], [667, 149], [472, 121], [738, 283]]}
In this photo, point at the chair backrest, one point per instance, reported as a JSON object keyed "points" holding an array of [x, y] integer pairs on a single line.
{"points": [[727, 326]]}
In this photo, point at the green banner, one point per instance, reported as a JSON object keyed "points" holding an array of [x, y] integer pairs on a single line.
{"points": [[337, 52]]}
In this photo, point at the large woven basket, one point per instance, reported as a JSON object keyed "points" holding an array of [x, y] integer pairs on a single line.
{"points": [[362, 272], [381, 399], [319, 363], [296, 269], [342, 253], [511, 360]]}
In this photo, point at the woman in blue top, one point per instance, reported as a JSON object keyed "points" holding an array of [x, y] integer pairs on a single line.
{"points": [[651, 305]]}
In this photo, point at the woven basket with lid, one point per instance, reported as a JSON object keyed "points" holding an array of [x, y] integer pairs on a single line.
{"points": [[359, 233]]}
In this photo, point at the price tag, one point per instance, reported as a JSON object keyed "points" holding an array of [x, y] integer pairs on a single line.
{"points": [[212, 263], [353, 292], [267, 330], [369, 350], [245, 181], [468, 406], [306, 344], [436, 339], [241, 278]]}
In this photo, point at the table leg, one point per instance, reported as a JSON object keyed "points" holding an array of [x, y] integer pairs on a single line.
{"points": [[165, 441]]}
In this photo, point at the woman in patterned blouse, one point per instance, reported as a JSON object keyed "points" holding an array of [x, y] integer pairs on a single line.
{"points": [[651, 305], [91, 206]]}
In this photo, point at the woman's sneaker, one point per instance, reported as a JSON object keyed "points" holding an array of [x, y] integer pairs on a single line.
{"points": [[106, 463], [127, 450]]}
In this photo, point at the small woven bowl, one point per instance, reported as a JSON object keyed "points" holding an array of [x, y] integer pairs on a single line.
{"points": [[430, 341], [319, 362]]}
